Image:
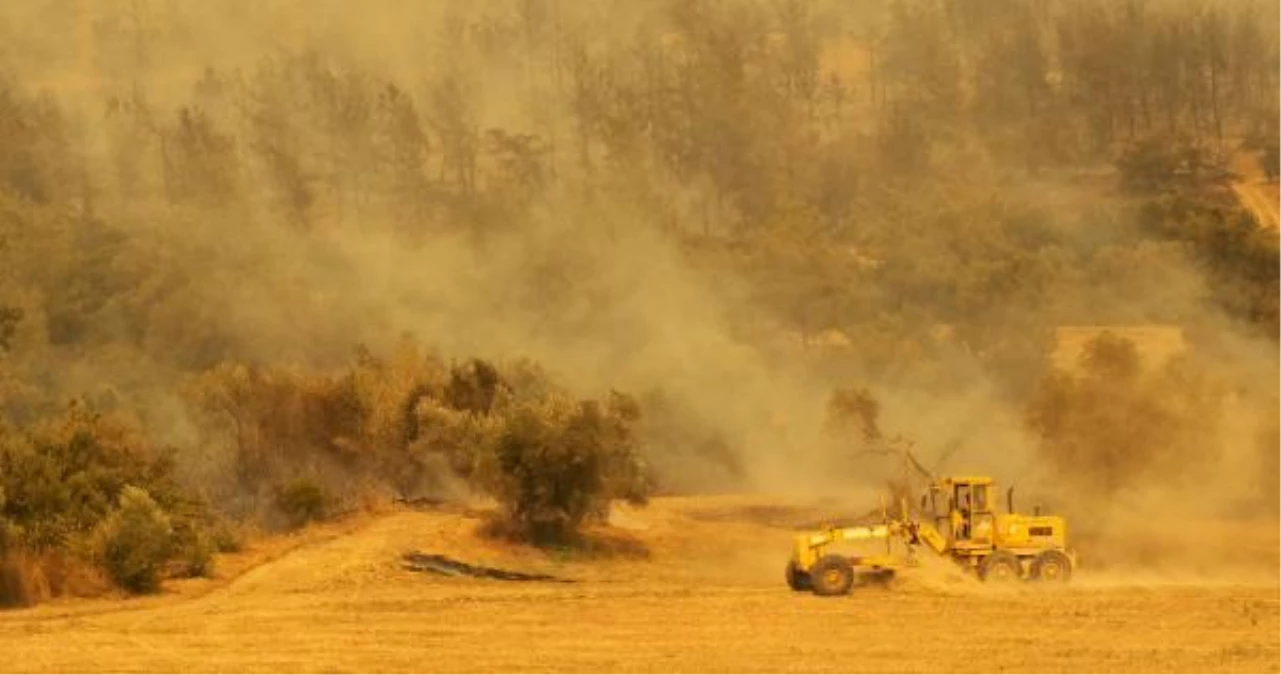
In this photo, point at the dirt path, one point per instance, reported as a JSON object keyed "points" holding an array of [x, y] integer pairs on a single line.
{"points": [[709, 597], [1257, 194]]}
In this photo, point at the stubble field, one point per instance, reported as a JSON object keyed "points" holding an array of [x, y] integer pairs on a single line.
{"points": [[707, 596]]}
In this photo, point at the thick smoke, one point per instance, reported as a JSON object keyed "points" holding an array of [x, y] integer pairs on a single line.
{"points": [[588, 271]]}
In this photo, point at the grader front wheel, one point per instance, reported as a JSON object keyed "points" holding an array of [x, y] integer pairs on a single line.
{"points": [[832, 575]]}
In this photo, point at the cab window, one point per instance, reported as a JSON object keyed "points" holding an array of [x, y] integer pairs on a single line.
{"points": [[980, 498]]}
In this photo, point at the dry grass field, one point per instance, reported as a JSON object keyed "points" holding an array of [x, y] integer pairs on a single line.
{"points": [[708, 596]]}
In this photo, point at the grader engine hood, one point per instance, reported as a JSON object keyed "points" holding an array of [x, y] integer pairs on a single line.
{"points": [[1019, 531], [808, 547]]}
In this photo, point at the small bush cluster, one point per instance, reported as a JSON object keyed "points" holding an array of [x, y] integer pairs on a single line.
{"points": [[293, 448], [88, 491]]}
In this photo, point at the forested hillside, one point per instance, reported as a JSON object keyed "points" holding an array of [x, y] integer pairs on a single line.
{"points": [[249, 251]]}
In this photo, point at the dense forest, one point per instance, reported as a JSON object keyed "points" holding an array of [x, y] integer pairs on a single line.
{"points": [[266, 264]]}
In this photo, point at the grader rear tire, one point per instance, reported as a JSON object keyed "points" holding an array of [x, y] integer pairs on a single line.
{"points": [[1051, 567], [796, 579], [832, 575], [1000, 567]]}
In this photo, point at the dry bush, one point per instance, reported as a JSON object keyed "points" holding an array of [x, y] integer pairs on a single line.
{"points": [[22, 581], [195, 550], [409, 425], [1117, 423], [473, 387], [226, 537], [28, 578], [349, 433], [277, 423], [303, 501]]}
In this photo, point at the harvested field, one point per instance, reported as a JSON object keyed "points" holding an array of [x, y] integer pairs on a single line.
{"points": [[707, 596]]}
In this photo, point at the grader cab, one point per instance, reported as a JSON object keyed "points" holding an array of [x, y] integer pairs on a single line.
{"points": [[956, 519], [1003, 546]]}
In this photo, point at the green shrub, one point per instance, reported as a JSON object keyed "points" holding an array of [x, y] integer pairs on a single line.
{"points": [[135, 542], [557, 465]]}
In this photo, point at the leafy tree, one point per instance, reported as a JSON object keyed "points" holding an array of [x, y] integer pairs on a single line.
{"points": [[854, 410], [449, 115], [200, 162], [402, 150], [1117, 423]]}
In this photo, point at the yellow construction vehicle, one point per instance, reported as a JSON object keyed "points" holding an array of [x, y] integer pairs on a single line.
{"points": [[956, 520]]}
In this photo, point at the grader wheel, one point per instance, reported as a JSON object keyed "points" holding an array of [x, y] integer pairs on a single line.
{"points": [[796, 579], [1000, 567], [1051, 566], [832, 575]]}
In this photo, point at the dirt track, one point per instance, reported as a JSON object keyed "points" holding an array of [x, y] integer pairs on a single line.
{"points": [[709, 597]]}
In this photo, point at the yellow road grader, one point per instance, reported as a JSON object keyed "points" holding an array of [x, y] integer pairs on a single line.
{"points": [[956, 519]]}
